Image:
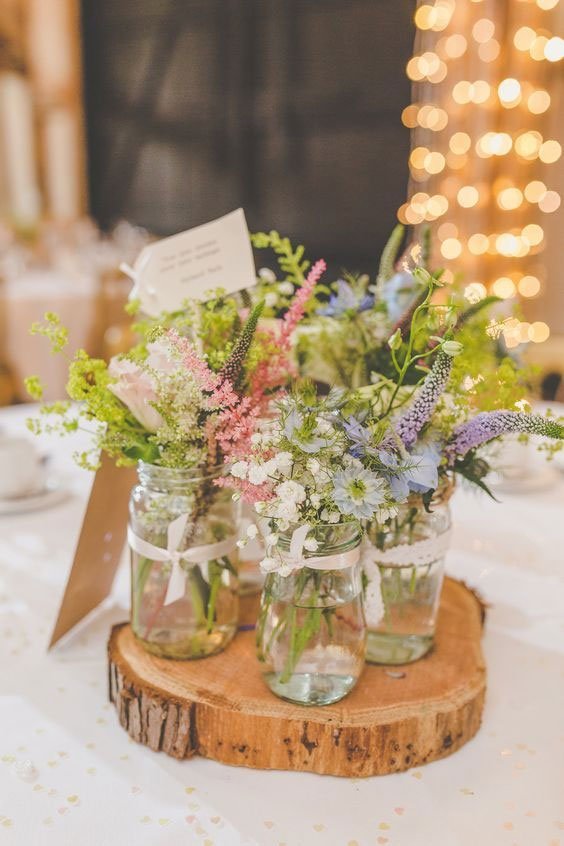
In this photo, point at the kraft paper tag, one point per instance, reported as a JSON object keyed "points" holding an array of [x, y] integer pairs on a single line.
{"points": [[99, 548], [187, 265]]}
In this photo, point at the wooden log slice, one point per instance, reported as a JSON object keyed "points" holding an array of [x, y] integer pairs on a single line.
{"points": [[219, 707]]}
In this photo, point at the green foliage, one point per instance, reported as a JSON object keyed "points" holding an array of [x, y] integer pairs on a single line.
{"points": [[233, 367], [52, 329], [389, 255], [34, 387], [291, 261]]}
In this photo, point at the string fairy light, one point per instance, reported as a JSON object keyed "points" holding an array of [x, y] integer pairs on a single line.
{"points": [[482, 146]]}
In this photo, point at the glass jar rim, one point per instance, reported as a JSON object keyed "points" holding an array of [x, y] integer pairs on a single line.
{"points": [[285, 537], [178, 474]]}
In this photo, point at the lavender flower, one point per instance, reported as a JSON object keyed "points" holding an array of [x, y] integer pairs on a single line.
{"points": [[491, 424], [410, 424]]}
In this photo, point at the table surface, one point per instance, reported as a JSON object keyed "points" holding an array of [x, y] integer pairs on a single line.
{"points": [[93, 785]]}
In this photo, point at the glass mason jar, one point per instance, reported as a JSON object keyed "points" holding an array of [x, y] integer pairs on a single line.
{"points": [[183, 541], [311, 632], [403, 568]]}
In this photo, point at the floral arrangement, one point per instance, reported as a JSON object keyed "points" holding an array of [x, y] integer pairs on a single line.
{"points": [[187, 394]]}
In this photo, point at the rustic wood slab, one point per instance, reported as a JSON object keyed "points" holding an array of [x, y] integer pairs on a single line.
{"points": [[220, 708]]}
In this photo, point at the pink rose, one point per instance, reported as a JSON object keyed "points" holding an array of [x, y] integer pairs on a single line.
{"points": [[137, 390]]}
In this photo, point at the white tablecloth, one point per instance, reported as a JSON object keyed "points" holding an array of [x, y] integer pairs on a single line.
{"points": [[95, 786]]}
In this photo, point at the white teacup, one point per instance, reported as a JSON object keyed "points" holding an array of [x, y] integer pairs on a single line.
{"points": [[21, 467]]}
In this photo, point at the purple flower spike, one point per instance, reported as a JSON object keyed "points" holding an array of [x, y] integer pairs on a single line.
{"points": [[491, 424], [426, 399]]}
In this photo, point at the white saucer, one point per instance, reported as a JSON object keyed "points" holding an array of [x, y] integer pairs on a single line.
{"points": [[52, 493], [541, 478]]}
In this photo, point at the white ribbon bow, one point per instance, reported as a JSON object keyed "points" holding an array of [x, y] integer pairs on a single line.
{"points": [[195, 555], [294, 558]]}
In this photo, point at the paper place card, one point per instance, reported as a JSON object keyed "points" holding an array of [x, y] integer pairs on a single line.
{"points": [[99, 548], [187, 265]]}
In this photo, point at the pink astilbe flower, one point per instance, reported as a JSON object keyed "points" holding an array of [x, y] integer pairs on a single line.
{"points": [[223, 396], [235, 426], [297, 308], [249, 493], [204, 376]]}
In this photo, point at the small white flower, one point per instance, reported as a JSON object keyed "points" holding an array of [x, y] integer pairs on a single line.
{"points": [[313, 466], [333, 517], [270, 299], [323, 427], [242, 543], [267, 275], [315, 500], [257, 474], [311, 544], [252, 531], [291, 492], [268, 564], [287, 511], [284, 462], [286, 288], [256, 438], [260, 506], [452, 348], [239, 469], [283, 525], [271, 539]]}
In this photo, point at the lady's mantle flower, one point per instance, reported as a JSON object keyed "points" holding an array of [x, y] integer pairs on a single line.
{"points": [[491, 424], [426, 398], [357, 491]]}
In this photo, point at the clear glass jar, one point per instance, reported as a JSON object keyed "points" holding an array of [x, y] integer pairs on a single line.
{"points": [[403, 568], [184, 587], [311, 632], [251, 577]]}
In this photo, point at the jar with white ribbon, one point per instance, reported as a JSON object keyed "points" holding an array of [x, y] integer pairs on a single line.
{"points": [[183, 541], [311, 632], [403, 567]]}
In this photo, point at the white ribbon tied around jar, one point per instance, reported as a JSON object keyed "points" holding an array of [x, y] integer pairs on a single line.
{"points": [[195, 555], [294, 559], [418, 554]]}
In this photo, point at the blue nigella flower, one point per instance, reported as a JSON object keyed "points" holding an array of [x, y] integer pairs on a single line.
{"points": [[360, 436], [358, 492], [292, 426], [417, 473], [346, 299]]}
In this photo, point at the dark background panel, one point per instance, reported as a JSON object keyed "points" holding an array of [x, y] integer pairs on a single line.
{"points": [[289, 108]]}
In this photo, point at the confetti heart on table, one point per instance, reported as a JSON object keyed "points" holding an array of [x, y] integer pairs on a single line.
{"points": [[189, 790], [383, 840], [383, 826], [62, 810], [268, 823], [190, 819], [399, 811], [215, 820], [72, 799], [318, 826], [135, 789]]}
